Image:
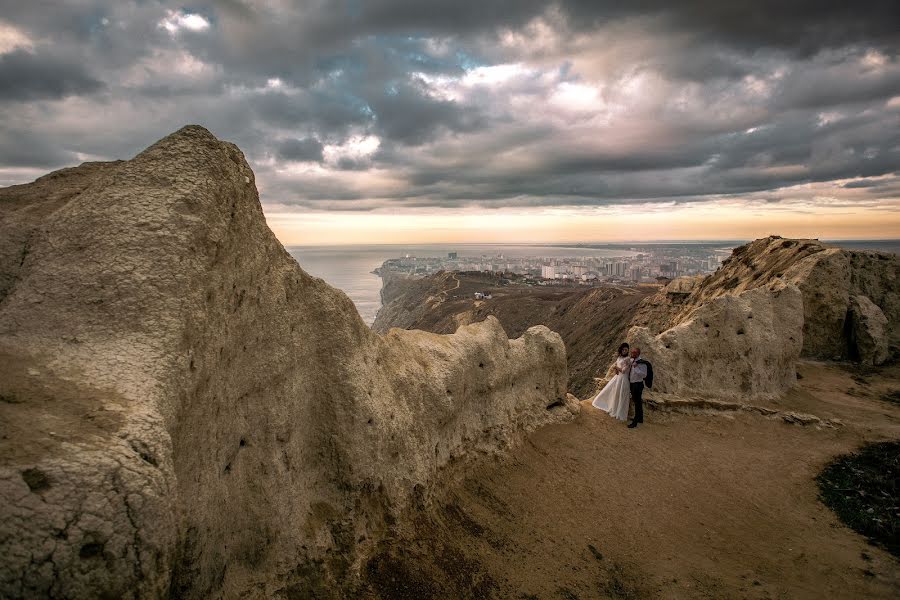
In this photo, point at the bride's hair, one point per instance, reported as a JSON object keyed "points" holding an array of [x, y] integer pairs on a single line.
{"points": [[624, 345]]}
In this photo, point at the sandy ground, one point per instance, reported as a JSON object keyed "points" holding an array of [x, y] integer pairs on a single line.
{"points": [[706, 504]]}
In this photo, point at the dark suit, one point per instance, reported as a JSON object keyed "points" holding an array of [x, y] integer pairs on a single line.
{"points": [[637, 393]]}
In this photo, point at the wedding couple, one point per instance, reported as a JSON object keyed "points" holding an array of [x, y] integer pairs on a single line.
{"points": [[628, 384]]}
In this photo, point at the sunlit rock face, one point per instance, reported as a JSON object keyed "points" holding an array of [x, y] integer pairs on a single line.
{"points": [[742, 347], [738, 333], [186, 411], [831, 280]]}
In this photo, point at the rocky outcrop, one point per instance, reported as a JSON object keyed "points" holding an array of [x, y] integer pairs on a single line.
{"points": [[592, 321], [740, 347], [737, 333], [828, 278], [867, 331], [187, 412]]}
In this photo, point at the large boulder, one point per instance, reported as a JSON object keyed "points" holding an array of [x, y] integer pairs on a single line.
{"points": [[867, 331], [187, 413], [741, 347]]}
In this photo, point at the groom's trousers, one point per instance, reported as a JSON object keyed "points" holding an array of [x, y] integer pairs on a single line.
{"points": [[637, 393]]}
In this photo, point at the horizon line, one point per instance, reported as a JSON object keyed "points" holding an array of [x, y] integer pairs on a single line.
{"points": [[583, 243]]}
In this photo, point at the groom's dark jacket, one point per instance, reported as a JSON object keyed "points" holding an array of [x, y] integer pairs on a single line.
{"points": [[648, 380]]}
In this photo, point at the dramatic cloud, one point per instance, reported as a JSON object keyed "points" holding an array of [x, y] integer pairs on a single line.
{"points": [[307, 149], [381, 105], [28, 76]]}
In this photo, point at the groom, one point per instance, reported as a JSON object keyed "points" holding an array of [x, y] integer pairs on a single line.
{"points": [[638, 374]]}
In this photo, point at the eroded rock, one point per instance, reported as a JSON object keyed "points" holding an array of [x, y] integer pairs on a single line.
{"points": [[739, 347], [827, 277], [868, 331], [191, 414]]}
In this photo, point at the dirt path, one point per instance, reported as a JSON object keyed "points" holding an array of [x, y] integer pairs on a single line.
{"points": [[704, 505]]}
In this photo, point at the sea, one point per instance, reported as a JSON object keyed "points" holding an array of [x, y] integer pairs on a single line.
{"points": [[349, 268]]}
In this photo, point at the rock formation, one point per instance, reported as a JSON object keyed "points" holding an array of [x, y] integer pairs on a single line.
{"points": [[838, 286], [185, 411], [592, 321], [867, 329], [739, 347]]}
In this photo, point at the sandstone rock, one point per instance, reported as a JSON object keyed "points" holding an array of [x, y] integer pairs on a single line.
{"points": [[683, 286], [826, 276], [186, 412], [573, 404], [739, 347], [868, 331]]}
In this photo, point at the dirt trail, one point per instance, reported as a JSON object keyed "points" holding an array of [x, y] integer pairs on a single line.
{"points": [[703, 504], [443, 294]]}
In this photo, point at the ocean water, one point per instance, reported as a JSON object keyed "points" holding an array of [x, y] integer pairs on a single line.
{"points": [[349, 268], [892, 246]]}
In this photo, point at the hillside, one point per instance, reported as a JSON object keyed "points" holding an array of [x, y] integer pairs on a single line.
{"points": [[591, 321]]}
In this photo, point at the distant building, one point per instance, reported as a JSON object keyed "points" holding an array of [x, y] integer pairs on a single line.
{"points": [[548, 271], [669, 269], [617, 269], [452, 255]]}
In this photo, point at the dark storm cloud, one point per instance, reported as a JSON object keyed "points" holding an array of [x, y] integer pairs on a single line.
{"points": [[20, 147], [28, 76], [800, 26], [396, 103], [303, 150], [404, 113]]}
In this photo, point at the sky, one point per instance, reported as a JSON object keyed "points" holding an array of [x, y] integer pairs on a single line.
{"points": [[413, 121]]}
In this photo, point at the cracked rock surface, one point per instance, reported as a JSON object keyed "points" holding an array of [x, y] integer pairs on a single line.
{"points": [[187, 412]]}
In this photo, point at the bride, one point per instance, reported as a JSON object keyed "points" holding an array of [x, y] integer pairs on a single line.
{"points": [[615, 396]]}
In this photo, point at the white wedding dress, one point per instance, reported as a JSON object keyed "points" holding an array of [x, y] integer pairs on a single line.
{"points": [[615, 396]]}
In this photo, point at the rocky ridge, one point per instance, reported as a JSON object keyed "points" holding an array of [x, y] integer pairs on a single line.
{"points": [[187, 412], [589, 319], [738, 333], [851, 298]]}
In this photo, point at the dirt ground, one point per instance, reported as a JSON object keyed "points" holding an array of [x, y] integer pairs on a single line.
{"points": [[698, 504]]}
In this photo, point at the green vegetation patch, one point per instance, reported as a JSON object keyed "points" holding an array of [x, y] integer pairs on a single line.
{"points": [[862, 488]]}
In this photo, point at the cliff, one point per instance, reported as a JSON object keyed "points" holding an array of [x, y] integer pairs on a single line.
{"points": [[187, 412]]}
